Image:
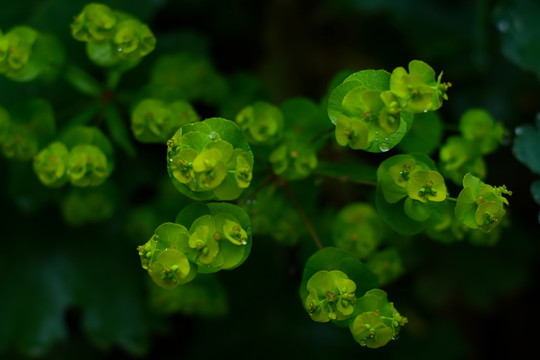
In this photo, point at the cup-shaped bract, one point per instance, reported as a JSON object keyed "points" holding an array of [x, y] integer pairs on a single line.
{"points": [[16, 52], [479, 127], [31, 127], [185, 75], [95, 23], [113, 39], [394, 174], [133, 40], [218, 242], [410, 193], [377, 321], [261, 122], [352, 132], [426, 185], [87, 166], [459, 156], [51, 164], [219, 235], [418, 91], [20, 143], [481, 206], [358, 229], [89, 204], [164, 256], [154, 121], [386, 264], [210, 160], [366, 114], [294, 158], [91, 159], [331, 296]]}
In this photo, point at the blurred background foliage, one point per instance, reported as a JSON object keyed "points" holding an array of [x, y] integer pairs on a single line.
{"points": [[73, 288]]}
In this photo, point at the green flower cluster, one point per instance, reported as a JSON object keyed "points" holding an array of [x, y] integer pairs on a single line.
{"points": [[174, 255], [373, 110], [155, 121], [358, 229], [386, 264], [205, 166], [417, 91], [377, 321], [89, 205], [367, 113], [16, 50], [331, 296], [26, 128], [112, 38], [293, 159], [461, 154], [408, 177], [83, 156], [261, 122], [481, 206], [83, 165], [274, 216], [26, 54]]}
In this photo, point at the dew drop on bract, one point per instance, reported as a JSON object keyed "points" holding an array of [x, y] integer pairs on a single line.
{"points": [[213, 135], [384, 147]]}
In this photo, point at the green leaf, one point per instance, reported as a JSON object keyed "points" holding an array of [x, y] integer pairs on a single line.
{"points": [[82, 81], [517, 22], [535, 190], [117, 129], [527, 145], [424, 135]]}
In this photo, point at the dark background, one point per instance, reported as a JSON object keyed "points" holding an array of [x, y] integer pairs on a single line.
{"points": [[462, 301]]}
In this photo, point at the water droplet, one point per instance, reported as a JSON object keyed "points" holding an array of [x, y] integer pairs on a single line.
{"points": [[503, 26], [519, 130], [213, 135], [384, 147], [425, 111]]}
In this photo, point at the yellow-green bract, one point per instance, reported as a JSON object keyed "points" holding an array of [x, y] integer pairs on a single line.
{"points": [[331, 296], [113, 38], [210, 160], [410, 193], [481, 206], [376, 320], [155, 121]]}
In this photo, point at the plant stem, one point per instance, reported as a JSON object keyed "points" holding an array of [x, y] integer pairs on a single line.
{"points": [[345, 178], [82, 81], [303, 215], [451, 199], [113, 79], [322, 134], [261, 186]]}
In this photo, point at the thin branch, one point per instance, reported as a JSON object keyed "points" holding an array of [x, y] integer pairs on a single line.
{"points": [[345, 178], [303, 215], [261, 186], [322, 134]]}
